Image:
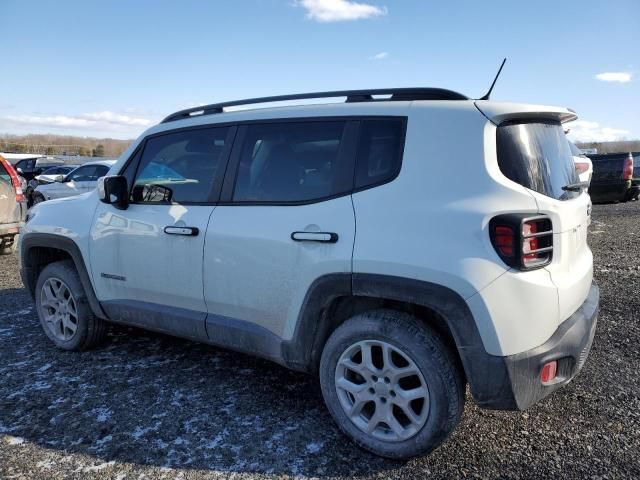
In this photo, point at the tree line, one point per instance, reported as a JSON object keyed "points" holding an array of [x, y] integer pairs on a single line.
{"points": [[62, 145]]}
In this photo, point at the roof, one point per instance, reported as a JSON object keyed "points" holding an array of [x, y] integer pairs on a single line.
{"points": [[352, 96]]}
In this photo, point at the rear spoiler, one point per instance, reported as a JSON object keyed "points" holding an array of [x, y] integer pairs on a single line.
{"points": [[498, 112]]}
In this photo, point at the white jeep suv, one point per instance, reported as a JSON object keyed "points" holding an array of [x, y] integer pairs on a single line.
{"points": [[400, 245]]}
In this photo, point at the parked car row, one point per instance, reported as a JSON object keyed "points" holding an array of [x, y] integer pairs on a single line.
{"points": [[79, 180]]}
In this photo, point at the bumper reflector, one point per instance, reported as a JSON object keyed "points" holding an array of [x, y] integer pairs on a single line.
{"points": [[549, 372]]}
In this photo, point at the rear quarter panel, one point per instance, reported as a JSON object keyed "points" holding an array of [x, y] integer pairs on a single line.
{"points": [[431, 223]]}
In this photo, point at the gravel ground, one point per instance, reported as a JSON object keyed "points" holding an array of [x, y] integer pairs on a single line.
{"points": [[152, 406]]}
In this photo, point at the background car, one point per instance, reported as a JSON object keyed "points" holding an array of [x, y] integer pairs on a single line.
{"points": [[49, 175], [584, 167], [612, 177], [13, 206], [634, 191], [81, 180]]}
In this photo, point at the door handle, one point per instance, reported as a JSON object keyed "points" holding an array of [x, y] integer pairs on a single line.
{"points": [[188, 231], [324, 237]]}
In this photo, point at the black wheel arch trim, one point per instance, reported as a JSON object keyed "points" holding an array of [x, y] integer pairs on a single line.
{"points": [[67, 245], [487, 374]]}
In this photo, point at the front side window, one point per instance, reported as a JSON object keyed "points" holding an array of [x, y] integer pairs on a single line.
{"points": [[289, 162], [88, 173], [180, 167]]}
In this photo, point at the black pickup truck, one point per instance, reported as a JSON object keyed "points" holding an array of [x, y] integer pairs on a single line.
{"points": [[613, 177]]}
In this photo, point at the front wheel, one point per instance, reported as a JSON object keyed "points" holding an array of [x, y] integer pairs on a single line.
{"points": [[63, 308], [391, 384]]}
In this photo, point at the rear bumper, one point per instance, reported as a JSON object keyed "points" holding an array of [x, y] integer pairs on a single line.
{"points": [[513, 382], [609, 192], [10, 229]]}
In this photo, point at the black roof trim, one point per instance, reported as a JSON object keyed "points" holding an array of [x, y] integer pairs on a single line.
{"points": [[397, 94]]}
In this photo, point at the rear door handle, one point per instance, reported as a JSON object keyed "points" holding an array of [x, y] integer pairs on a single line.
{"points": [[188, 231], [324, 237]]}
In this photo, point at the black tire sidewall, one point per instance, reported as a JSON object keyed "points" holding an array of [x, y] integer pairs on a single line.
{"points": [[65, 271], [427, 351]]}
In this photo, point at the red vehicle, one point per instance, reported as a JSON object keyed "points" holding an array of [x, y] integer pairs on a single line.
{"points": [[13, 206]]}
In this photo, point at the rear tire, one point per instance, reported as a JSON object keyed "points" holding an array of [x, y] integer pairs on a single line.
{"points": [[64, 311], [7, 245], [410, 358]]}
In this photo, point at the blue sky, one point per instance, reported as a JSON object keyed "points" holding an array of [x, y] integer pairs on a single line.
{"points": [[112, 68]]}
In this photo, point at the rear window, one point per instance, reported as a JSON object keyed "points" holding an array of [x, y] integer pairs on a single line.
{"points": [[537, 156], [4, 175]]}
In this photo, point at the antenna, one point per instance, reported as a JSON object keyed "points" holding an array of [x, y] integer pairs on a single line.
{"points": [[486, 97]]}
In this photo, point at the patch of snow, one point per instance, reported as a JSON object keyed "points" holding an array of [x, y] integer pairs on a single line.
{"points": [[97, 468], [314, 447], [14, 440]]}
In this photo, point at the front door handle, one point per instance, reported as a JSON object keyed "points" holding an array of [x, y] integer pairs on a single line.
{"points": [[324, 237], [188, 231]]}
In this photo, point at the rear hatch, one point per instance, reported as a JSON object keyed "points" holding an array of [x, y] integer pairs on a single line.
{"points": [[533, 151]]}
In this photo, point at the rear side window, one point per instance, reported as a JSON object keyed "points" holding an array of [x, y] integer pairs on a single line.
{"points": [[290, 162], [379, 151], [537, 156], [180, 167], [4, 174]]}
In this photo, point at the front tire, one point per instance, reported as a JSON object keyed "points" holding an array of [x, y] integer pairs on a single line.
{"points": [[391, 384], [64, 311]]}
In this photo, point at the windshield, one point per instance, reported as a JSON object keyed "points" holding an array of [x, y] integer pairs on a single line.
{"points": [[537, 156]]}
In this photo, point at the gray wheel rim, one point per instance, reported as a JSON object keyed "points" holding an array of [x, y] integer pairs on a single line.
{"points": [[382, 390], [58, 309]]}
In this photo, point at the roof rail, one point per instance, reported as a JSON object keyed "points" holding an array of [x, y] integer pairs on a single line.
{"points": [[396, 94]]}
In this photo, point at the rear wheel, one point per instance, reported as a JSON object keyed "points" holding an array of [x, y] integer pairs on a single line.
{"points": [[7, 246], [391, 384], [64, 311]]}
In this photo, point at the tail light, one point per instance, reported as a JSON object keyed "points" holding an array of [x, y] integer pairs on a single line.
{"points": [[521, 241], [627, 172], [581, 167], [15, 181]]}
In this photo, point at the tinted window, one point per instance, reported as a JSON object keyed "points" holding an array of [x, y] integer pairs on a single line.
{"points": [[4, 174], [289, 162], [88, 173], [379, 151], [180, 167], [538, 157]]}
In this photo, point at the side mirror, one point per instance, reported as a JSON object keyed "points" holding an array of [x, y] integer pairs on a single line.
{"points": [[58, 178], [114, 191]]}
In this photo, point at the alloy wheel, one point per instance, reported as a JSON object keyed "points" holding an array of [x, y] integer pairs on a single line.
{"points": [[382, 390]]}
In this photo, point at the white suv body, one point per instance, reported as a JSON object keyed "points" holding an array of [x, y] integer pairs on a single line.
{"points": [[394, 206]]}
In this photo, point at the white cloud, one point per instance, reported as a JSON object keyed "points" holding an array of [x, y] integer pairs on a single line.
{"points": [[585, 131], [380, 56], [340, 10], [105, 120], [620, 77]]}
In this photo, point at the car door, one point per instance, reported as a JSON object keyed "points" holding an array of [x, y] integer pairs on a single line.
{"points": [[147, 260], [284, 221]]}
